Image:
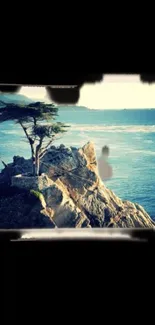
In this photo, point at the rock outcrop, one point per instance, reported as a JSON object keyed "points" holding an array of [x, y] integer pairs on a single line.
{"points": [[24, 210], [76, 196]]}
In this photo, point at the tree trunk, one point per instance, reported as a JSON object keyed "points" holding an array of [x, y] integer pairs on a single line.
{"points": [[37, 165], [33, 165], [37, 156], [31, 142]]}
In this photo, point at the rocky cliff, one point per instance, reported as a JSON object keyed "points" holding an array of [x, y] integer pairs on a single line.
{"points": [[75, 195]]}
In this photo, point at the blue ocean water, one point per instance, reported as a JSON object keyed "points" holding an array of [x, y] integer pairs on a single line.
{"points": [[130, 135]]}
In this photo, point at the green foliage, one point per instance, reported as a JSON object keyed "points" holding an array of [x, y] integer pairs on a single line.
{"points": [[48, 130], [27, 112], [40, 136], [37, 194]]}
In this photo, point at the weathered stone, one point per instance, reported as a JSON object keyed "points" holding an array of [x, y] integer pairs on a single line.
{"points": [[93, 206], [19, 166], [62, 147], [68, 150], [52, 147], [31, 182], [89, 151], [80, 178], [107, 215], [67, 214], [40, 212], [60, 161]]}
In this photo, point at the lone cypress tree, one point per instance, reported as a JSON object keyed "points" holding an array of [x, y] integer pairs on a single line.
{"points": [[32, 118]]}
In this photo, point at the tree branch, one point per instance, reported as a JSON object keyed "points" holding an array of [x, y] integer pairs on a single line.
{"points": [[45, 149], [4, 164], [42, 153], [38, 147], [31, 141], [35, 121]]}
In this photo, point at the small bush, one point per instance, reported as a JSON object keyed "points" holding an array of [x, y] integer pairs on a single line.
{"points": [[37, 194]]}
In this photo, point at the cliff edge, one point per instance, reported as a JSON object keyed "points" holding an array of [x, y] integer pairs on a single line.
{"points": [[75, 196]]}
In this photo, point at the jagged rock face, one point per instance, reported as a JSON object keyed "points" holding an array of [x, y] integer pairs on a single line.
{"points": [[77, 170], [19, 166], [66, 213], [76, 196]]}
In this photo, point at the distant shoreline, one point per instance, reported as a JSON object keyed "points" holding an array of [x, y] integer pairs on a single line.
{"points": [[82, 109]]}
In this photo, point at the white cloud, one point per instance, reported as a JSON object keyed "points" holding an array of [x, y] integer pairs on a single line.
{"points": [[33, 92]]}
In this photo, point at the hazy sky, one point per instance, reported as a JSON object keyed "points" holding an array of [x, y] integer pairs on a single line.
{"points": [[124, 91]]}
